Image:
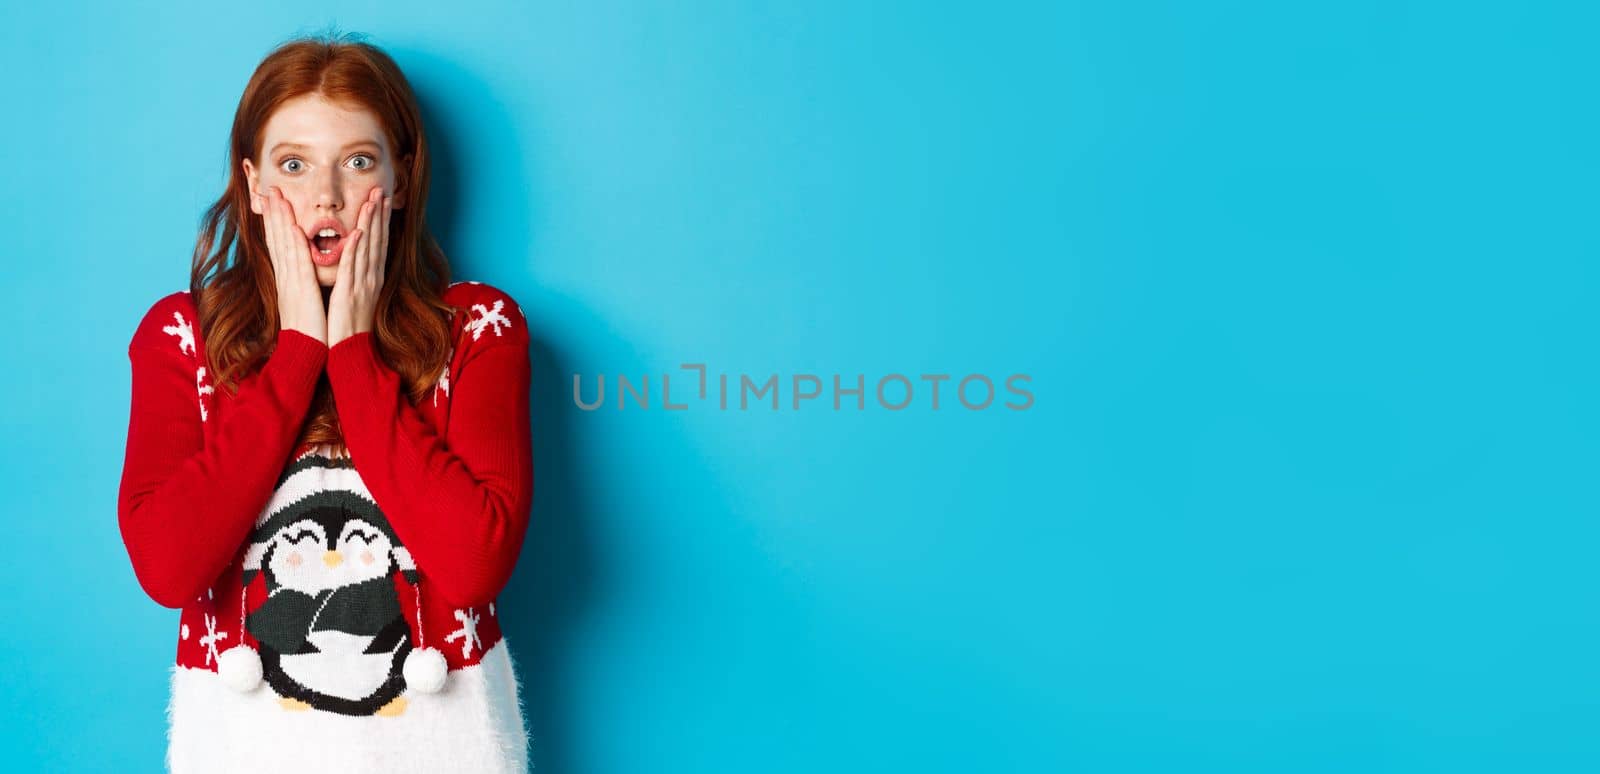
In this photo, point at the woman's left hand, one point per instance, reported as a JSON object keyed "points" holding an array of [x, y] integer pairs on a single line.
{"points": [[354, 300]]}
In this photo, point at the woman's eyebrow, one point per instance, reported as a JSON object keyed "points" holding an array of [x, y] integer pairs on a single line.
{"points": [[355, 144]]}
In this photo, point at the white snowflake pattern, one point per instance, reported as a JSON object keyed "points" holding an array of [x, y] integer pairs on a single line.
{"points": [[202, 389], [444, 378], [211, 637], [184, 331], [489, 317], [468, 633]]}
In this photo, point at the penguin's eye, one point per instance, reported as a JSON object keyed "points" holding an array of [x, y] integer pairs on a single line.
{"points": [[364, 537], [301, 535]]}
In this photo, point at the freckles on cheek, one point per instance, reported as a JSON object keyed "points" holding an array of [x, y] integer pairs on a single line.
{"points": [[287, 188]]}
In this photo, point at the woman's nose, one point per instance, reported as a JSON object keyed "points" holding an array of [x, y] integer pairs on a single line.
{"points": [[328, 196]]}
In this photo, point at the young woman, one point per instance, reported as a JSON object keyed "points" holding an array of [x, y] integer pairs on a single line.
{"points": [[329, 466]]}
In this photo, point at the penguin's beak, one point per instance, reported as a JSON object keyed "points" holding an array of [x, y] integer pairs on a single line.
{"points": [[332, 559]]}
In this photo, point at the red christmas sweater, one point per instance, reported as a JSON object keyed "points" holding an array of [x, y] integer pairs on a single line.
{"points": [[337, 607]]}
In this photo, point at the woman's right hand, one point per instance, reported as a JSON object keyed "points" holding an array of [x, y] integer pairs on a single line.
{"points": [[299, 295]]}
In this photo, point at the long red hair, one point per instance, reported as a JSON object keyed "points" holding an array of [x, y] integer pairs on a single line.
{"points": [[238, 300]]}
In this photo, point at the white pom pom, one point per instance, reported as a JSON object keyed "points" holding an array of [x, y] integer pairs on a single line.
{"points": [[240, 667], [424, 670]]}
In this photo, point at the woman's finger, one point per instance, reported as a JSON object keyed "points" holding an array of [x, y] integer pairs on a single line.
{"points": [[269, 220], [347, 257], [384, 216], [364, 256], [285, 221], [293, 266], [296, 244]]}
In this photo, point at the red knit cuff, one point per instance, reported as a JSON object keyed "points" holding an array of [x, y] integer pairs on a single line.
{"points": [[353, 363], [299, 357]]}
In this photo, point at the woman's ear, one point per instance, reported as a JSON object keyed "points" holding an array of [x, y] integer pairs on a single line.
{"points": [[253, 183]]}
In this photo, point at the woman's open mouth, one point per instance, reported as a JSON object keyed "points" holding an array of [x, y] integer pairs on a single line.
{"points": [[326, 246]]}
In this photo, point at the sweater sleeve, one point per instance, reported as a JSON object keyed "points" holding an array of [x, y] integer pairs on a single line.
{"points": [[459, 502], [187, 501]]}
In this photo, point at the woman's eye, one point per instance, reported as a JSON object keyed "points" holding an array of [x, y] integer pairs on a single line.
{"points": [[368, 161], [295, 162]]}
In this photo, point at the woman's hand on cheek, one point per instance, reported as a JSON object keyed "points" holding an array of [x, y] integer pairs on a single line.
{"points": [[353, 303], [299, 295]]}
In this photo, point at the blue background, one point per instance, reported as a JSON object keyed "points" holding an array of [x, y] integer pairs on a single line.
{"points": [[1307, 296]]}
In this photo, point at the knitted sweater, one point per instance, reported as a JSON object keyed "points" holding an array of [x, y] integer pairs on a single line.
{"points": [[338, 612]]}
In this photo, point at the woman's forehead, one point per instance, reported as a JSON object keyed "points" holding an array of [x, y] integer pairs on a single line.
{"points": [[312, 123]]}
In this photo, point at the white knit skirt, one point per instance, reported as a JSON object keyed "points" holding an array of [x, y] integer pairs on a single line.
{"points": [[474, 724]]}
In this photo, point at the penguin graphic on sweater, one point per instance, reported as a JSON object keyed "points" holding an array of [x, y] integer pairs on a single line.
{"points": [[331, 631]]}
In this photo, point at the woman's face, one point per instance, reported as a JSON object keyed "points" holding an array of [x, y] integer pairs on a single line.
{"points": [[326, 159]]}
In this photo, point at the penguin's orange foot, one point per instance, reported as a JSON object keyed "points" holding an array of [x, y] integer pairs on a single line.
{"points": [[293, 705], [393, 708]]}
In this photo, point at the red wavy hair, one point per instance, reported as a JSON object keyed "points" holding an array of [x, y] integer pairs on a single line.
{"points": [[238, 300]]}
